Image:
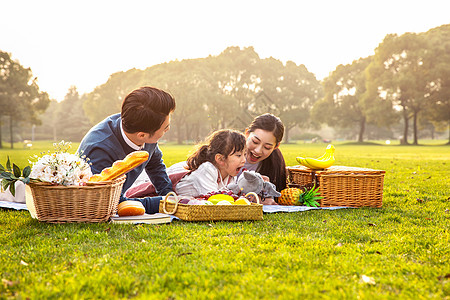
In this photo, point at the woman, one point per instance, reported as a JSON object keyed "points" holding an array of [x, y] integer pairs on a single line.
{"points": [[263, 138], [263, 155]]}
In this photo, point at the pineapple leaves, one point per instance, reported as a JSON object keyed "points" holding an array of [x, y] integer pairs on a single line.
{"points": [[310, 197]]}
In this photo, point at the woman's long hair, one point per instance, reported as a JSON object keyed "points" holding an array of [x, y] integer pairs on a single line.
{"points": [[273, 166]]}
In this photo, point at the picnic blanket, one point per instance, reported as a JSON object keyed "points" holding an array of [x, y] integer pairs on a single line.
{"points": [[266, 208], [13, 205]]}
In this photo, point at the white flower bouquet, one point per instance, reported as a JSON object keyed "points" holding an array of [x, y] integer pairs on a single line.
{"points": [[58, 168], [59, 185], [61, 167]]}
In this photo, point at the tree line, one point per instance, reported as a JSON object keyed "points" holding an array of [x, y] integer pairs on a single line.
{"points": [[406, 81]]}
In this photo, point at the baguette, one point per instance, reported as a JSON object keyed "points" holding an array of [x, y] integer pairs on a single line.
{"points": [[121, 167]]}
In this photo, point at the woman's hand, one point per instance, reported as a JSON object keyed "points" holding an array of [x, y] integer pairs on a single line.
{"points": [[265, 201], [268, 201]]}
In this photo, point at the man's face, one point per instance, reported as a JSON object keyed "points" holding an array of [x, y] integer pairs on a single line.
{"points": [[151, 139]]}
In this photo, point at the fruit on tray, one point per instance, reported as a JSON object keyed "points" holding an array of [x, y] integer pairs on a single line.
{"points": [[227, 192], [121, 167], [130, 208], [242, 201], [215, 199], [322, 162]]}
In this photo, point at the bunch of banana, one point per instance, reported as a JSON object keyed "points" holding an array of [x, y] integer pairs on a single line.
{"points": [[322, 162]]}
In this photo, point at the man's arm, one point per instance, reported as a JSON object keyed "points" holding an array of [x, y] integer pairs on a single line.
{"points": [[156, 171], [99, 159]]}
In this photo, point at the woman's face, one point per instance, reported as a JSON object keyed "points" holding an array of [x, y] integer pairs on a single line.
{"points": [[260, 144]]}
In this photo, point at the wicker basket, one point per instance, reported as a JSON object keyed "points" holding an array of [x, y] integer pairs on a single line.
{"points": [[189, 212], [342, 186], [92, 203]]}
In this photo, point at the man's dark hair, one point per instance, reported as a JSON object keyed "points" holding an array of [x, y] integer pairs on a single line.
{"points": [[145, 110]]}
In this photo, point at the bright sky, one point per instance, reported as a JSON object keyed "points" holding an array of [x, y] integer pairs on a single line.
{"points": [[83, 42]]}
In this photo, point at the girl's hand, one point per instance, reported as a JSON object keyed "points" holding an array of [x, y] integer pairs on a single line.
{"points": [[265, 178]]}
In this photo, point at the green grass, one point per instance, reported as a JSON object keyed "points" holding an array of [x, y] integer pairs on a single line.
{"points": [[403, 246]]}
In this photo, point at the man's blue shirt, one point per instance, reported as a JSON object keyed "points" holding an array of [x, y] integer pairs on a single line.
{"points": [[104, 145]]}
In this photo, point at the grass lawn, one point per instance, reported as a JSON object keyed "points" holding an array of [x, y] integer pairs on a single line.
{"points": [[402, 248]]}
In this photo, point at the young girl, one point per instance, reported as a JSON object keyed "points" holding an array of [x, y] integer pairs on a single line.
{"points": [[213, 165]]}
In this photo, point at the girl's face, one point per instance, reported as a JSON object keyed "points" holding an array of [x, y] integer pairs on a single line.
{"points": [[232, 164], [260, 144]]}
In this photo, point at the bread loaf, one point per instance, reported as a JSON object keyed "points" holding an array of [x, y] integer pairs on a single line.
{"points": [[121, 167], [130, 208]]}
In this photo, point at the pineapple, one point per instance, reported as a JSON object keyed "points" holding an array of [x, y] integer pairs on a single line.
{"points": [[295, 196], [290, 196]]}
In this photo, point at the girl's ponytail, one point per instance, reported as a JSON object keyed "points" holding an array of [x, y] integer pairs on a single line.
{"points": [[198, 157]]}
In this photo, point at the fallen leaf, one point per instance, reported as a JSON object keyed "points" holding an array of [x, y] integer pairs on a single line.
{"points": [[339, 245], [419, 200], [143, 241], [183, 254], [368, 280], [371, 224], [23, 263], [107, 230], [428, 219], [378, 252], [9, 283], [324, 221], [446, 276]]}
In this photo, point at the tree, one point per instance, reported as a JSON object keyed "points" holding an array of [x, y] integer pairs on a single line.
{"points": [[346, 103], [107, 98], [71, 119], [438, 107], [20, 97], [49, 129], [292, 89], [399, 72]]}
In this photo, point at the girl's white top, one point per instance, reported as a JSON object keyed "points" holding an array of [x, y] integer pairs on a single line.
{"points": [[203, 180]]}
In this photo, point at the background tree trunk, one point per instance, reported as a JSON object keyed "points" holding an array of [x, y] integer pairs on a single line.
{"points": [[362, 128], [1, 144], [404, 140], [416, 142], [11, 131]]}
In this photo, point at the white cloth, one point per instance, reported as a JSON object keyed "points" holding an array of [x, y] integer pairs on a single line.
{"points": [[20, 194], [203, 180], [128, 141]]}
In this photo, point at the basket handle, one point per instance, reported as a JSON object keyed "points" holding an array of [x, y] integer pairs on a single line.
{"points": [[176, 203], [255, 195]]}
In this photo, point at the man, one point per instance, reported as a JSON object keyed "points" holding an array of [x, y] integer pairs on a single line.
{"points": [[144, 119]]}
